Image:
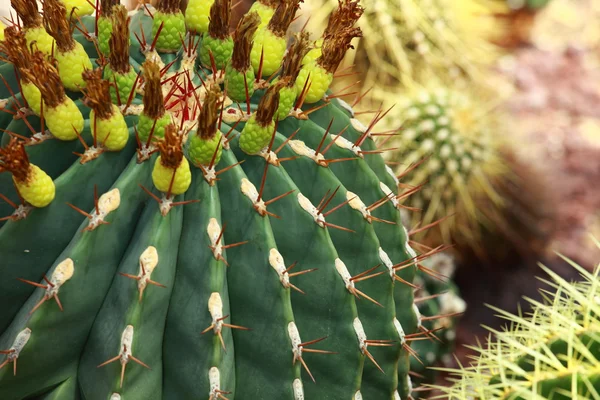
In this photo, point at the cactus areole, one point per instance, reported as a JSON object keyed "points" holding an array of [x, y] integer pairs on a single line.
{"points": [[162, 240]]}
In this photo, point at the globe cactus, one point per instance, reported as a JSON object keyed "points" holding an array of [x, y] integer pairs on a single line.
{"points": [[552, 353], [220, 249]]}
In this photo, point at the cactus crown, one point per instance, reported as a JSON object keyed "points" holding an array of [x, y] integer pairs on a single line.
{"points": [[13, 158], [119, 40], [242, 41], [28, 12], [169, 6], [293, 61], [154, 106], [209, 114], [283, 17], [220, 15], [171, 152], [335, 47], [45, 77], [57, 25], [269, 103], [97, 95]]}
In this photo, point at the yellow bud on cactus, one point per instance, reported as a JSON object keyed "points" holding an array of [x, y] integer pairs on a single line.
{"points": [[65, 120], [33, 96], [40, 39], [162, 176], [265, 12], [82, 7], [112, 133], [38, 190], [196, 15], [318, 82], [2, 30], [71, 65]]}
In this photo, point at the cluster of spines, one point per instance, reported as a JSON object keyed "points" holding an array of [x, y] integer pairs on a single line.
{"points": [[357, 217], [551, 353]]}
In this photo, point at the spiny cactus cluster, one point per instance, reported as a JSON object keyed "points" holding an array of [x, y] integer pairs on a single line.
{"points": [[552, 353], [190, 214]]}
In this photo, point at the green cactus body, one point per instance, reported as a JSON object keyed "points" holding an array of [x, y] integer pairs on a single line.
{"points": [[254, 137], [172, 33], [105, 29], [235, 84], [40, 39], [112, 133], [245, 255], [124, 83], [287, 99], [64, 121], [273, 48], [318, 79], [220, 49], [265, 12], [196, 15], [33, 96], [146, 124], [550, 354], [201, 151], [71, 65]]}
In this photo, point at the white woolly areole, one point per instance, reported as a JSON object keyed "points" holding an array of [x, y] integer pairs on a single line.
{"points": [[346, 107], [215, 308], [295, 338], [269, 156], [388, 192], [358, 396], [249, 190], [418, 314], [360, 334], [214, 231], [385, 259], [396, 395], [126, 344], [107, 203], [298, 389], [346, 144], [214, 378], [359, 126], [409, 384], [450, 303], [343, 271], [115, 396], [276, 261], [19, 343], [400, 331], [148, 262], [300, 148], [356, 203], [391, 172], [311, 209], [62, 273]]}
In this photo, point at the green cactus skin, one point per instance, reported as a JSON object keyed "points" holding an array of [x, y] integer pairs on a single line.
{"points": [[220, 49], [172, 33], [552, 353], [236, 85], [105, 29], [246, 267], [124, 83], [145, 125]]}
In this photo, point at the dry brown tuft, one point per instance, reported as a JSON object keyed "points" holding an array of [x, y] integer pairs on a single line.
{"points": [[14, 46], [169, 6], [118, 43], [292, 63], [57, 25], [171, 152], [13, 158], [106, 7], [209, 114], [242, 41], [270, 102], [28, 12], [97, 94], [283, 16], [45, 76], [154, 106], [345, 16], [335, 47], [220, 15], [270, 3]]}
